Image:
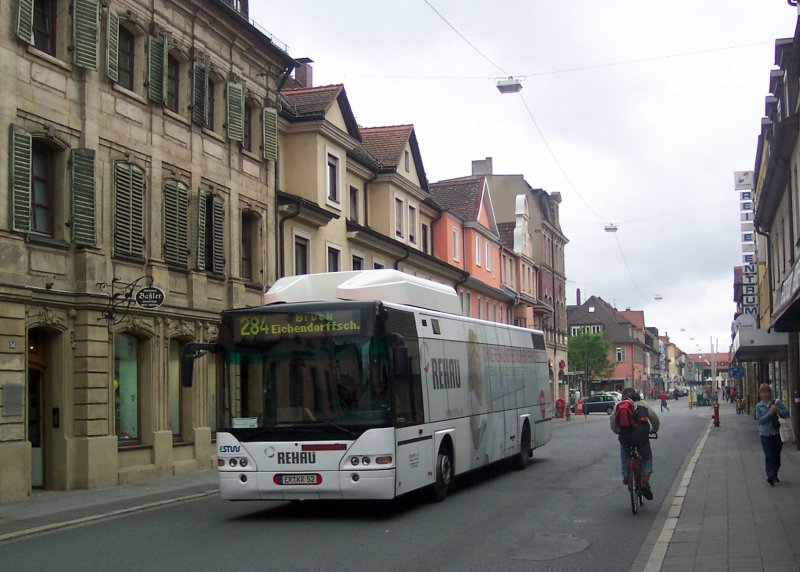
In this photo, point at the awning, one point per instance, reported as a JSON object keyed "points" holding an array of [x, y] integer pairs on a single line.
{"points": [[751, 344]]}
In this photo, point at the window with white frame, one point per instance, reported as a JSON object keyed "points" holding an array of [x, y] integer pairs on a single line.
{"points": [[353, 215], [412, 224], [488, 256], [334, 258], [619, 354], [398, 218], [332, 181], [456, 244], [301, 262], [480, 307], [478, 250]]}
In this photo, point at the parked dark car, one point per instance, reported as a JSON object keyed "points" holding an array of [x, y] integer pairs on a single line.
{"points": [[599, 404]]}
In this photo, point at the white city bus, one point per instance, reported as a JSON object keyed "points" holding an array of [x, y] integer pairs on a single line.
{"points": [[369, 385]]}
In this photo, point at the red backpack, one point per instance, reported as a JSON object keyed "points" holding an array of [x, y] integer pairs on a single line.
{"points": [[626, 415]]}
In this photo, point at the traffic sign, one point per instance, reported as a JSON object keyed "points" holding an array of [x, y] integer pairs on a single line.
{"points": [[150, 297]]}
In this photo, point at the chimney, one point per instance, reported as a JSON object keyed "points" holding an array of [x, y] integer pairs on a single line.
{"points": [[483, 167], [578, 296], [304, 74]]}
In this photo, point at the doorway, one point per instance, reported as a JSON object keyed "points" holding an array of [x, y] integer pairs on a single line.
{"points": [[37, 403]]}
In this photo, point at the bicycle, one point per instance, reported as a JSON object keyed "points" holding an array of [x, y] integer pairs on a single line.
{"points": [[635, 476]]}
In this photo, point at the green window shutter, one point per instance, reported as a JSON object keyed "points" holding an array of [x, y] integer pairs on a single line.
{"points": [[112, 44], [128, 209], [200, 93], [122, 208], [217, 246], [234, 102], [25, 21], [176, 223], [85, 33], [21, 145], [270, 127], [201, 230], [83, 197], [157, 69]]}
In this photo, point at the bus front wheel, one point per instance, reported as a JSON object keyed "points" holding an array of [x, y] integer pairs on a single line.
{"points": [[444, 474]]}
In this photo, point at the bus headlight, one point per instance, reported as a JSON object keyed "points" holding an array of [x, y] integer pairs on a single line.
{"points": [[365, 460], [354, 461], [242, 462], [232, 462]]}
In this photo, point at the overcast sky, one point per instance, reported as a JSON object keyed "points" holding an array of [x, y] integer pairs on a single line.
{"points": [[638, 113]]}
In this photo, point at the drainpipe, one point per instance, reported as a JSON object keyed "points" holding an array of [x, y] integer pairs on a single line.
{"points": [[281, 262], [402, 258]]}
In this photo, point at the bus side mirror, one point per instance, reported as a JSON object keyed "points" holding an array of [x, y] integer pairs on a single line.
{"points": [[190, 353], [400, 361]]}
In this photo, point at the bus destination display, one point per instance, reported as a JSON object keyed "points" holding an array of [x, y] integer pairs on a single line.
{"points": [[249, 327]]}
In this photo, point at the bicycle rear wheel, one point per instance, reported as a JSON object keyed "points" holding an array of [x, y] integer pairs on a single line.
{"points": [[633, 489]]}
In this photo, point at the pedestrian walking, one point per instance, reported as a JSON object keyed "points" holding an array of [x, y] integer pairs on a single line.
{"points": [[663, 398], [768, 410]]}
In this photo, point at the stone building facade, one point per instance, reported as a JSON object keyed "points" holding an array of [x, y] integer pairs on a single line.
{"points": [[141, 147]]}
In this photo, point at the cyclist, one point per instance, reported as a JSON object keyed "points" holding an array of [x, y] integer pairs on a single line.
{"points": [[637, 433]]}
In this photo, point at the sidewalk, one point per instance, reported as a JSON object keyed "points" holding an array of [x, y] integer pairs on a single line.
{"points": [[724, 515], [49, 510]]}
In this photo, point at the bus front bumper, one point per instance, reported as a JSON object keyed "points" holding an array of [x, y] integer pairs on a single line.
{"points": [[352, 484]]}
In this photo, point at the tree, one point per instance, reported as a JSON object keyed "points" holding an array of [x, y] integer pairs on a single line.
{"points": [[588, 353]]}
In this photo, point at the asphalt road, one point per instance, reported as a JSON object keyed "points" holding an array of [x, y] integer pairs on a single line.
{"points": [[567, 511]]}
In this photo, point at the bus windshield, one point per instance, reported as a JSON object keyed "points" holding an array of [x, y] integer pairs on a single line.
{"points": [[332, 383]]}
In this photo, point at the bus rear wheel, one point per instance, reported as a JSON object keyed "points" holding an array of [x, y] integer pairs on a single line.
{"points": [[521, 458], [444, 474]]}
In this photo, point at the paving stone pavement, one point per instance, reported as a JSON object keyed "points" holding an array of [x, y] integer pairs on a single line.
{"points": [[729, 517]]}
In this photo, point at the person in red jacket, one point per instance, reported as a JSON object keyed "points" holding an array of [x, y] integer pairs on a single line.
{"points": [[663, 398]]}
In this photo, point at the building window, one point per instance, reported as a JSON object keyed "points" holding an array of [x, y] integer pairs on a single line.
{"points": [[488, 256], [353, 204], [249, 240], [480, 307], [126, 387], [487, 309], [173, 83], [334, 257], [424, 236], [333, 179], [412, 225], [174, 390], [398, 218], [247, 126], [467, 306], [377, 265], [407, 161], [44, 26], [456, 244], [619, 355], [478, 250], [300, 255], [125, 58], [358, 263], [42, 188]]}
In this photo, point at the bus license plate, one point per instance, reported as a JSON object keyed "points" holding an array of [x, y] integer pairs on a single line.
{"points": [[304, 479]]}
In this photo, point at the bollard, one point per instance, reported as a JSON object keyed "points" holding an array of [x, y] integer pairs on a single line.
{"points": [[715, 416]]}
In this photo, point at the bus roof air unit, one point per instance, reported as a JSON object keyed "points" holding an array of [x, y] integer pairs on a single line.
{"points": [[386, 285]]}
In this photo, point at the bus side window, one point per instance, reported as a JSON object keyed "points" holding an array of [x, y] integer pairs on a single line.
{"points": [[408, 392]]}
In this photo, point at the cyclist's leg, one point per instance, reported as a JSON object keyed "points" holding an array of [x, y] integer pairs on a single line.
{"points": [[623, 457], [647, 469]]}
